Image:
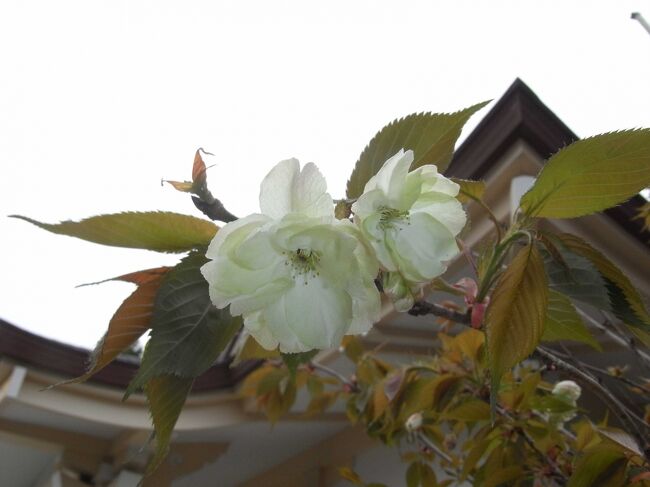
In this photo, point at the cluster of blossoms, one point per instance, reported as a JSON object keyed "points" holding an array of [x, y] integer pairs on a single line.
{"points": [[303, 279]]}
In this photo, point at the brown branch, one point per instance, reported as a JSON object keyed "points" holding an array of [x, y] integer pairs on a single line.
{"points": [[421, 308], [213, 208]]}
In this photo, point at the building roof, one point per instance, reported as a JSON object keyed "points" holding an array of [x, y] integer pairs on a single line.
{"points": [[519, 115]]}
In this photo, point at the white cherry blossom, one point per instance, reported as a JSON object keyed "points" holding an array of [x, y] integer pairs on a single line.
{"points": [[300, 278], [411, 219]]}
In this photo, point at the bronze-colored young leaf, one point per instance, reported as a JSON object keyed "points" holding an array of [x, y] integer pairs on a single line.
{"points": [[199, 177], [564, 323], [597, 466], [131, 320], [515, 317], [166, 395], [471, 410], [469, 190], [625, 300], [198, 169], [591, 175], [431, 136], [187, 331], [137, 277], [623, 439], [156, 230]]}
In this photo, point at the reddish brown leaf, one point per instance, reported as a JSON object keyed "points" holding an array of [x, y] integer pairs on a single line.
{"points": [[198, 169], [129, 322], [138, 278]]}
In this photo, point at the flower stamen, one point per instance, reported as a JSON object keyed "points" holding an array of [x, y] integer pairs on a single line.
{"points": [[304, 263], [390, 216]]}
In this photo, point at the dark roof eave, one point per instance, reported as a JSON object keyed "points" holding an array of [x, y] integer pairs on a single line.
{"points": [[66, 360], [520, 115]]}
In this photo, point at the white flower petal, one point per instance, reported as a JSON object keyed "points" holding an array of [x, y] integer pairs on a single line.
{"points": [[242, 227], [422, 247], [390, 178], [376, 237], [427, 179], [366, 306], [369, 203], [444, 208], [316, 314], [276, 190], [255, 325], [286, 189], [310, 196]]}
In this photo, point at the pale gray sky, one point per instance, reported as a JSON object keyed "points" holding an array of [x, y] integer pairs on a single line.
{"points": [[100, 99]]}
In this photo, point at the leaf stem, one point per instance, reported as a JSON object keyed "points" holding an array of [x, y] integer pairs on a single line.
{"points": [[494, 266], [352, 386]]}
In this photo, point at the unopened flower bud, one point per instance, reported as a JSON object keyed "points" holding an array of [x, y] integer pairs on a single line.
{"points": [[567, 389], [413, 423]]}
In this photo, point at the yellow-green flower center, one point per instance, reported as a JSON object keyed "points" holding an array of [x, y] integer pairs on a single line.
{"points": [[304, 263], [388, 217]]}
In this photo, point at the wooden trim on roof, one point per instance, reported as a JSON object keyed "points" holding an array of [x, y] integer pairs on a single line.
{"points": [[70, 361]]}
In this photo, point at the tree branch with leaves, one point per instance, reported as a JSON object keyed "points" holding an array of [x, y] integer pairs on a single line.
{"points": [[308, 273]]}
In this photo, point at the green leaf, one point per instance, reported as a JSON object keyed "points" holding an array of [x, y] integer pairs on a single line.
{"points": [[187, 331], [626, 302], [505, 476], [413, 475], [469, 190], [515, 316], [156, 230], [591, 175], [294, 360], [623, 439], [431, 136], [471, 410], [564, 323], [552, 404], [575, 276], [596, 466], [166, 395]]}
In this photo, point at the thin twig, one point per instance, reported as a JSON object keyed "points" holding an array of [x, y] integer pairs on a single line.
{"points": [[542, 456], [626, 417], [468, 255], [621, 340], [433, 447], [353, 387], [599, 371]]}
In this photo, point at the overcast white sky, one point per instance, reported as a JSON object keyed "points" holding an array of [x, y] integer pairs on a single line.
{"points": [[99, 100]]}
